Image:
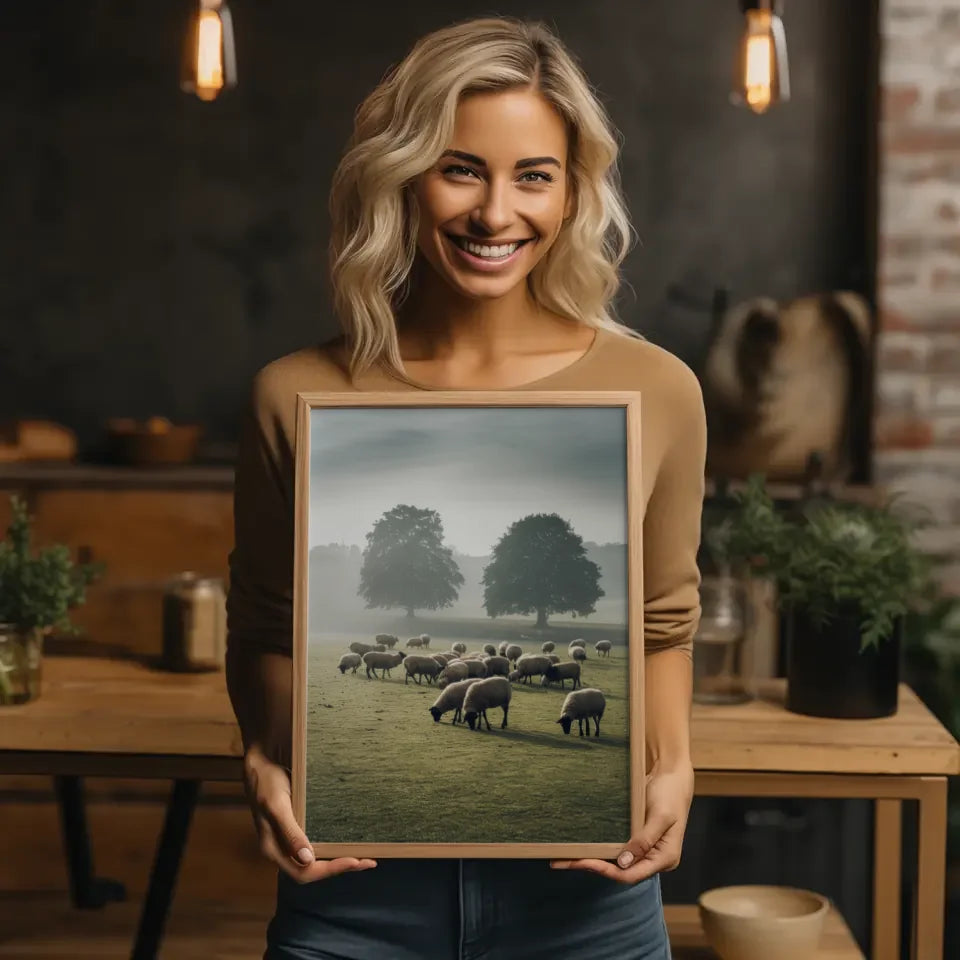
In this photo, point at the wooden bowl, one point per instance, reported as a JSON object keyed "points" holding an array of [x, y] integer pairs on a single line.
{"points": [[756, 922], [154, 441]]}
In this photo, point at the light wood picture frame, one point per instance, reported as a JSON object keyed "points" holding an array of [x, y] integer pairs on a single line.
{"points": [[472, 509]]}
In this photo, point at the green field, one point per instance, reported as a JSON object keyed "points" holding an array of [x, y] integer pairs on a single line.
{"points": [[379, 769]]}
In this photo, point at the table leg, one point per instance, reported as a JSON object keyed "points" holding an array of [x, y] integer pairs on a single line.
{"points": [[931, 870], [163, 877], [87, 892], [887, 849]]}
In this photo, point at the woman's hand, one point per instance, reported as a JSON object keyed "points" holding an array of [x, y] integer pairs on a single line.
{"points": [[658, 845], [267, 786]]}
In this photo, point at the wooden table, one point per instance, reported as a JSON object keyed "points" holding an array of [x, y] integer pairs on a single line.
{"points": [[98, 717]]}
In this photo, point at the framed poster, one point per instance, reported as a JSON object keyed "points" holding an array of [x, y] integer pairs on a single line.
{"points": [[468, 635]]}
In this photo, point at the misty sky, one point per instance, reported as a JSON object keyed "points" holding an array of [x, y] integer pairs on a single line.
{"points": [[480, 468]]}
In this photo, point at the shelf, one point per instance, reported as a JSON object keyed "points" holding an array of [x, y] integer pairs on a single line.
{"points": [[688, 942]]}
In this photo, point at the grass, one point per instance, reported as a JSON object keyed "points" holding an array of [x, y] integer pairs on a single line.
{"points": [[380, 770]]}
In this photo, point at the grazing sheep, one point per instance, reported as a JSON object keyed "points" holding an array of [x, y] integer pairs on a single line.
{"points": [[452, 672], [578, 653], [452, 699], [502, 648], [489, 649], [349, 661], [578, 643], [553, 657], [497, 666], [603, 648], [445, 657], [424, 639], [482, 696], [582, 705], [361, 648], [420, 665], [459, 647], [562, 672], [475, 668], [387, 639], [548, 647], [532, 665], [384, 662], [414, 642], [513, 652]]}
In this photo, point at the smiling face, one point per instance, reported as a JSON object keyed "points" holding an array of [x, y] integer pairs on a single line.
{"points": [[495, 201]]}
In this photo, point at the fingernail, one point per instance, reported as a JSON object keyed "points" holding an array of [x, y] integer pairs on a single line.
{"points": [[625, 859], [305, 855]]}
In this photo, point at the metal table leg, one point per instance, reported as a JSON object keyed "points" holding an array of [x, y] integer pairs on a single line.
{"points": [[87, 892], [163, 876]]}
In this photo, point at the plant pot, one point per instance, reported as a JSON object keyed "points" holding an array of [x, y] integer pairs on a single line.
{"points": [[829, 675], [21, 660]]}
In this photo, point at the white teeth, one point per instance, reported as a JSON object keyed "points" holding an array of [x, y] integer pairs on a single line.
{"points": [[483, 250]]}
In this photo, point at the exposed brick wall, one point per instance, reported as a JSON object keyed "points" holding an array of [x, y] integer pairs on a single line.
{"points": [[917, 425]]}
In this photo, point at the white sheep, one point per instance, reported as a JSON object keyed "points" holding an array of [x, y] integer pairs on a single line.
{"points": [[489, 649], [376, 660], [531, 665], [419, 665], [513, 652], [452, 672], [578, 653], [548, 647], [482, 696], [578, 643], [570, 670], [387, 639], [452, 699], [445, 657], [497, 666], [414, 642], [424, 640], [502, 648], [349, 661], [361, 648], [475, 667], [603, 648], [582, 705]]}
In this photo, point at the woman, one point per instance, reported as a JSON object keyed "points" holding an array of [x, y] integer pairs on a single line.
{"points": [[477, 232]]}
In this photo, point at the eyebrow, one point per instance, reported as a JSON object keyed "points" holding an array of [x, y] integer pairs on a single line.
{"points": [[519, 165]]}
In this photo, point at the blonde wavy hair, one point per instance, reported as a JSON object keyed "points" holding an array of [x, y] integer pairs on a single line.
{"points": [[400, 131]]}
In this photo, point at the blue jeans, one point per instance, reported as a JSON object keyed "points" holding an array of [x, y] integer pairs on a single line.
{"points": [[467, 910]]}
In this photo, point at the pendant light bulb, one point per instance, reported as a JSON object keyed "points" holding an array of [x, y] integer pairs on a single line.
{"points": [[210, 60], [762, 75]]}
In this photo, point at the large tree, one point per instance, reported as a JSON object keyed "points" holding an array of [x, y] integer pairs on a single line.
{"points": [[540, 565], [405, 563]]}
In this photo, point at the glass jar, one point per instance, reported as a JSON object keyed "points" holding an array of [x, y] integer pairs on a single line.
{"points": [[20, 664], [718, 646]]}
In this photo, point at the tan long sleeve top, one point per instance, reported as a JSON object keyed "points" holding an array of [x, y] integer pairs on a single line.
{"points": [[673, 444]]}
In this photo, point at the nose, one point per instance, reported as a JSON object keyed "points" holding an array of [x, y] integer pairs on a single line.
{"points": [[493, 214]]}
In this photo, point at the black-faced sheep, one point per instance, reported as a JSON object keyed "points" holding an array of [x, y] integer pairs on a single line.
{"points": [[531, 665], [548, 647], [578, 653], [484, 695], [387, 639], [384, 662], [582, 706], [603, 648], [489, 649], [452, 672], [562, 672], [513, 652], [349, 661], [451, 699], [497, 666], [502, 648], [419, 665]]}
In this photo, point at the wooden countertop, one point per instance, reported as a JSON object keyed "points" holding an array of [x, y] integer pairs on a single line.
{"points": [[74, 475], [92, 708]]}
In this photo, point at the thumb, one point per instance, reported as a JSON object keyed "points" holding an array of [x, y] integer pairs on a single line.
{"points": [[639, 846], [290, 837]]}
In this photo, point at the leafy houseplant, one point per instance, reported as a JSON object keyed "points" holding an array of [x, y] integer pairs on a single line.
{"points": [[37, 592], [846, 575]]}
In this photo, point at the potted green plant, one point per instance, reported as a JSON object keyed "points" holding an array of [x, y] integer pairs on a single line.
{"points": [[37, 592], [846, 575]]}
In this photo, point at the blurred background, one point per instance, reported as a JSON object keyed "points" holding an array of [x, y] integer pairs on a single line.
{"points": [[158, 247]]}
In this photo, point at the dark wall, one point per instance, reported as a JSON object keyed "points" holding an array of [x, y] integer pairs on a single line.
{"points": [[156, 250]]}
